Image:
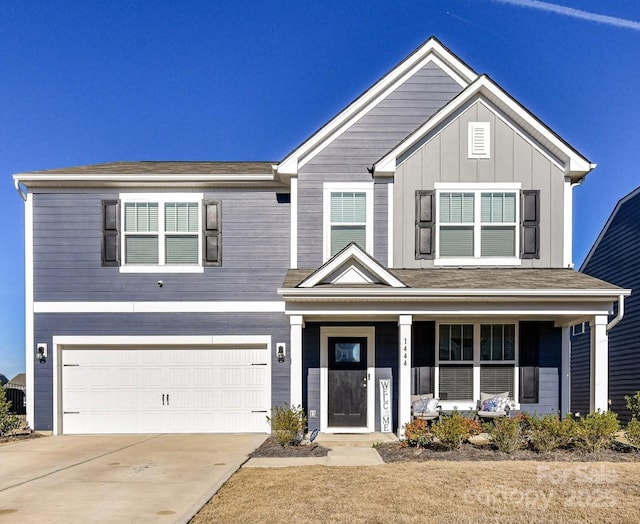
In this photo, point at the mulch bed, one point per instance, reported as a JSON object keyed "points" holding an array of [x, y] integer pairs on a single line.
{"points": [[272, 448], [17, 437], [395, 452]]}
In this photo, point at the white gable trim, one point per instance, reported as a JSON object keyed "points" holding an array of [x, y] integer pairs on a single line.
{"points": [[575, 164], [345, 259], [430, 51]]}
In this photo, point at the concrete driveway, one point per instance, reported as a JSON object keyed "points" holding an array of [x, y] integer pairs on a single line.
{"points": [[117, 478]]}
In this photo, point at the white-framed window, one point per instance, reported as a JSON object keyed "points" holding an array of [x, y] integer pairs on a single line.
{"points": [[348, 217], [580, 329], [478, 224], [473, 358], [161, 232]]}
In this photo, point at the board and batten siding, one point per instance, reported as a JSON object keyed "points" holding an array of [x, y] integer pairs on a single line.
{"points": [[155, 324], [67, 264], [349, 156], [615, 260], [442, 157]]}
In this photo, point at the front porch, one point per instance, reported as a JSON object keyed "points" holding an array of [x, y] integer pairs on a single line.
{"points": [[365, 338]]}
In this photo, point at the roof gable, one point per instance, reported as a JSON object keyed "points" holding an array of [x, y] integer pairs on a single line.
{"points": [[603, 233], [574, 165], [431, 51], [351, 266]]}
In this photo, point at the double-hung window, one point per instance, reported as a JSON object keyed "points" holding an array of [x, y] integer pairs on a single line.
{"points": [[497, 358], [348, 217], [162, 231], [474, 358], [455, 354], [476, 226]]}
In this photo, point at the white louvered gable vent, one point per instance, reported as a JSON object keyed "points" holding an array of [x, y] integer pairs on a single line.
{"points": [[479, 140]]}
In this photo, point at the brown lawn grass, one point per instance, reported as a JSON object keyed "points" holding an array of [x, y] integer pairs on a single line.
{"points": [[451, 492]]}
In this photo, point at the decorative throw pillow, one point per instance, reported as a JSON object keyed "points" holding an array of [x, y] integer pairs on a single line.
{"points": [[488, 404], [495, 403], [421, 405], [432, 405]]}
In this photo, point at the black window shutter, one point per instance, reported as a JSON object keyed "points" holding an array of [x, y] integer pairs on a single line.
{"points": [[530, 224], [110, 233], [212, 233], [528, 362], [425, 220]]}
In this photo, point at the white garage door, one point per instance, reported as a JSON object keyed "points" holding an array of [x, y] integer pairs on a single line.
{"points": [[165, 390]]}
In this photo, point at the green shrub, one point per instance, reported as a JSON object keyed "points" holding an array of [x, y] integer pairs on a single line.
{"points": [[633, 432], [595, 432], [418, 434], [288, 424], [506, 434], [450, 432], [549, 433], [633, 404], [8, 421]]}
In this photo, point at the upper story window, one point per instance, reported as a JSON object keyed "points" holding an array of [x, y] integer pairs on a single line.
{"points": [[477, 224], [348, 217], [481, 224], [161, 232]]}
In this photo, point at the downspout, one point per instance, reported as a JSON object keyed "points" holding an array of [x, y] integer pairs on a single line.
{"points": [[16, 183], [619, 316]]}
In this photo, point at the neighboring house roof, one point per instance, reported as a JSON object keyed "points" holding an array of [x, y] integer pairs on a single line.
{"points": [[608, 223], [487, 281], [573, 163], [152, 172], [430, 51], [19, 380]]}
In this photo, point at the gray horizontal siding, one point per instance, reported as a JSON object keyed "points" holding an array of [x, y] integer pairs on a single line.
{"points": [[580, 372], [67, 265], [142, 324], [548, 398], [366, 141], [616, 260]]}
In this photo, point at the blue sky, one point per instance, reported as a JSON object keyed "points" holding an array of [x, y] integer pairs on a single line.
{"points": [[97, 81]]}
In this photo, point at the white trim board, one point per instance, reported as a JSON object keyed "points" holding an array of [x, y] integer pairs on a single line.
{"points": [[160, 307]]}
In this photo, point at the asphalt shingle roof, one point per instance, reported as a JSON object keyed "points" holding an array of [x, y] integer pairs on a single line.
{"points": [[482, 278], [165, 168]]}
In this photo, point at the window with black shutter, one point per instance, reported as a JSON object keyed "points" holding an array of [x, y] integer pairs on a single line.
{"points": [[425, 219], [530, 224], [212, 233], [110, 233]]}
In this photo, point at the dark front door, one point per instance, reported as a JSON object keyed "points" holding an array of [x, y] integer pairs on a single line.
{"points": [[347, 402]]}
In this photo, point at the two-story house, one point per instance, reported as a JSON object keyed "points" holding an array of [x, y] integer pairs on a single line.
{"points": [[419, 242]]}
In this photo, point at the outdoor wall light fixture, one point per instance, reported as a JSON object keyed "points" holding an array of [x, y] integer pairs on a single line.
{"points": [[160, 283], [41, 352], [281, 351]]}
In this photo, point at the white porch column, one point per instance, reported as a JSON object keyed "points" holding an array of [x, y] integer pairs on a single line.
{"points": [[599, 383], [295, 355], [404, 372], [565, 372]]}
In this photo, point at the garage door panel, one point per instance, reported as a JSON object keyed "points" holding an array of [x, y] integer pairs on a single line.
{"points": [[133, 390]]}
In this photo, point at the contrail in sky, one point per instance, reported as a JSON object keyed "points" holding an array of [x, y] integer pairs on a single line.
{"points": [[575, 13]]}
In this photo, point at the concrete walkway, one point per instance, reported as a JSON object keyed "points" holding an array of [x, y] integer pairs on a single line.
{"points": [[116, 478], [338, 456], [345, 450]]}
